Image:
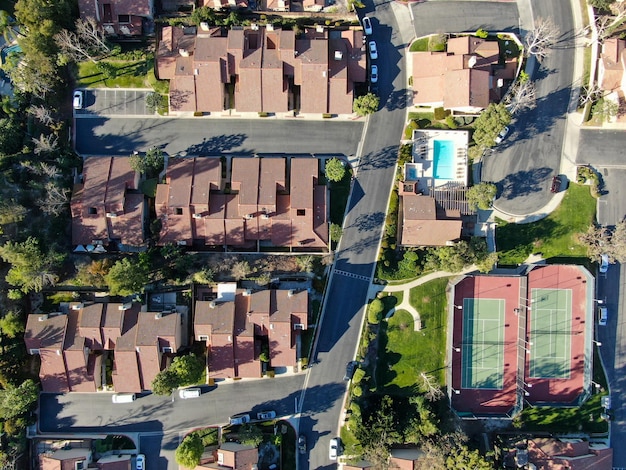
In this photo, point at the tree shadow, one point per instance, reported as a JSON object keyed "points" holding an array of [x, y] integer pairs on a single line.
{"points": [[217, 144], [367, 222]]}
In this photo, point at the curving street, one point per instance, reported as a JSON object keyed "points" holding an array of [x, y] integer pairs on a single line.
{"points": [[523, 165]]}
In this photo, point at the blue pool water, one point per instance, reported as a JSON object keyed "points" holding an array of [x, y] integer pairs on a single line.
{"points": [[443, 156], [411, 173]]}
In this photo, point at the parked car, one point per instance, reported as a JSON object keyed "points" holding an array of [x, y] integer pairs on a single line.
{"points": [[333, 449], [264, 415], [502, 135], [189, 393], [242, 418], [367, 25], [302, 444], [140, 462], [350, 369], [556, 184], [123, 398], [373, 50], [374, 74], [603, 316], [78, 99], [604, 263]]}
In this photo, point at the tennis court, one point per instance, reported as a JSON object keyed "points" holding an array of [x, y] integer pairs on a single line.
{"points": [[550, 333], [483, 343]]}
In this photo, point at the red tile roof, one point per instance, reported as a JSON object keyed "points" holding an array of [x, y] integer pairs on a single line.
{"points": [[420, 226], [568, 454], [103, 208], [47, 334]]}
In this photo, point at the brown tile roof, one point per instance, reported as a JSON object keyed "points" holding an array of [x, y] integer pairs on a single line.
{"points": [[64, 459], [420, 227], [245, 179], [405, 459], [238, 456], [91, 317], [272, 179], [313, 75], [467, 87], [114, 462], [102, 207], [79, 366], [553, 454], [612, 64], [48, 335], [172, 202], [171, 40]]}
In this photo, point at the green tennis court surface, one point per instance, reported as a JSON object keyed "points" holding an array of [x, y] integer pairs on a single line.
{"points": [[550, 333], [483, 343]]}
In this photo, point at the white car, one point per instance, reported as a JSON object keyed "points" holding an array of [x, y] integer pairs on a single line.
{"points": [[78, 100], [373, 50], [604, 263], [239, 419], [503, 133], [333, 450], [367, 26], [140, 462], [374, 74], [265, 415]]}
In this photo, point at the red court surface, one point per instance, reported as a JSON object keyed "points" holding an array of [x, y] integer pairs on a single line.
{"points": [[515, 291]]}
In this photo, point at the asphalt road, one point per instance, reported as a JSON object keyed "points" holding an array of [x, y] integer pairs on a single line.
{"points": [[523, 165], [613, 338], [200, 136]]}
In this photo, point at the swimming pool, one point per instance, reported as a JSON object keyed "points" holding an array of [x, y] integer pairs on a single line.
{"points": [[443, 157]]}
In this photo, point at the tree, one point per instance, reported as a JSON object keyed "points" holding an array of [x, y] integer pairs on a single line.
{"points": [[94, 273], [541, 38], [432, 388], [31, 269], [485, 265], [522, 97], [241, 270], [17, 401], [189, 451], [11, 136], [489, 124], [42, 114], [164, 382], [375, 311], [466, 458], [602, 4], [602, 240], [304, 263], [590, 93], [92, 34], [154, 101], [379, 432], [335, 169], [8, 26], [250, 435], [604, 109], [11, 325], [126, 277], [45, 144], [335, 232], [188, 369], [149, 164], [481, 196], [366, 104]]}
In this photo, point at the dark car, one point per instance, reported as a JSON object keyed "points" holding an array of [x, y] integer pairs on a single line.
{"points": [[556, 184], [302, 444], [350, 369]]}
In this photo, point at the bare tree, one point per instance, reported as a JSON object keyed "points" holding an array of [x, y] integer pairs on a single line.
{"points": [[45, 144], [433, 391], [522, 97], [607, 24], [87, 43], [241, 270], [54, 200], [42, 114], [590, 94], [541, 38], [596, 239], [91, 33]]}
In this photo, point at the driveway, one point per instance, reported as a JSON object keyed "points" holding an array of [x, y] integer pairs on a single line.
{"points": [[113, 102], [122, 136]]}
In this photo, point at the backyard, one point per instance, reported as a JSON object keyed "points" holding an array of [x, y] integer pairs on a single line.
{"points": [[555, 237]]}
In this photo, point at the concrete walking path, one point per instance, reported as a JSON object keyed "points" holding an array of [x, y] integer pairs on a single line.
{"points": [[406, 287]]}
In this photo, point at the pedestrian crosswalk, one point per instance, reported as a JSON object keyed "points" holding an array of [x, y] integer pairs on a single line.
{"points": [[352, 275]]}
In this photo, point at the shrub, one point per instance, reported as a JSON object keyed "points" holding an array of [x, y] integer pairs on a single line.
{"points": [[375, 312], [451, 122], [481, 33], [440, 113]]}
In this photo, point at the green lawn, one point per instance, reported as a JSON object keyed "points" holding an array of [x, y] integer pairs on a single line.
{"points": [[419, 45], [554, 236], [404, 353], [130, 74]]}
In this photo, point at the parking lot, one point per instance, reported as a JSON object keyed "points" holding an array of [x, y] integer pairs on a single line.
{"points": [[114, 102]]}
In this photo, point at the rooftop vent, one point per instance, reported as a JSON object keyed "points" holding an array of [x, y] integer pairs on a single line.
{"points": [[204, 26], [183, 52], [338, 55], [42, 317], [158, 315], [125, 306], [265, 216], [77, 306], [110, 215], [212, 304], [197, 216], [247, 292], [290, 293], [471, 62]]}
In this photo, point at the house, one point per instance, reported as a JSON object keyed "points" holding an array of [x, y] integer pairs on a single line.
{"points": [[66, 459], [232, 455], [236, 328], [611, 67], [114, 462], [119, 17], [550, 453], [107, 207], [423, 225], [466, 77], [360, 465], [269, 69], [405, 459], [74, 343], [266, 204]]}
